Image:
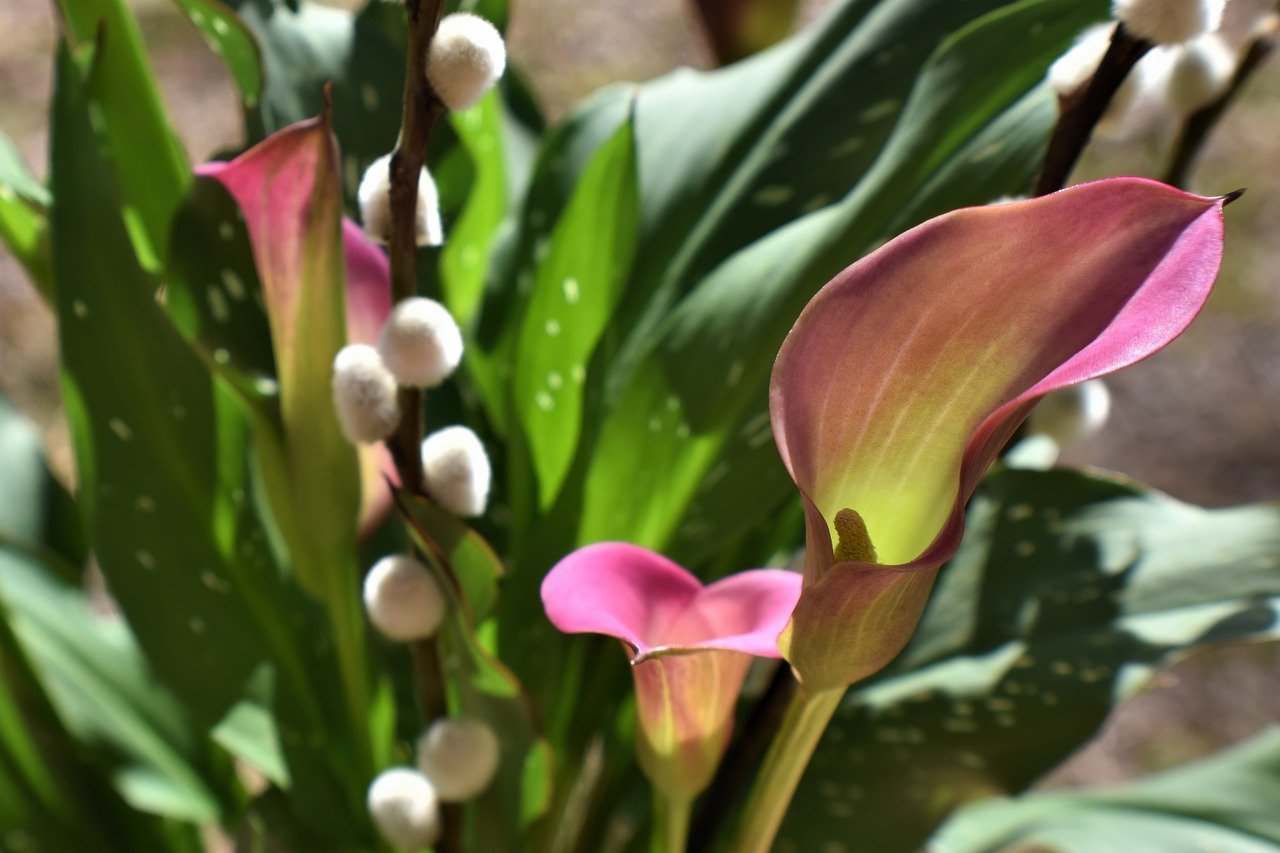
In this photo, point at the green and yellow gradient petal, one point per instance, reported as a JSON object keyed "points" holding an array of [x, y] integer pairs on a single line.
{"points": [[905, 375]]}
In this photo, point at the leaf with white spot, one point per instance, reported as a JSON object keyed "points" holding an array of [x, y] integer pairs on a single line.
{"points": [[230, 39], [575, 291], [1069, 590], [1225, 802]]}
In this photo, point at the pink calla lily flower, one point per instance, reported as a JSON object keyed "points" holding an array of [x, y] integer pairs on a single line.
{"points": [[907, 373], [690, 646], [272, 182]]}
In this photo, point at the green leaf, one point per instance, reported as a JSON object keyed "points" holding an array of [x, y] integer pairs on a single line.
{"points": [[1226, 802], [24, 216], [148, 159], [231, 40], [465, 257], [577, 287], [703, 386], [481, 686], [1068, 592], [163, 458], [475, 565]]}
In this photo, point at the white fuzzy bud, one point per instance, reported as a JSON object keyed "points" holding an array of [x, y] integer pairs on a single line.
{"points": [[374, 197], [460, 757], [405, 809], [403, 600], [1200, 72], [1072, 414], [1168, 21], [420, 343], [364, 394], [1074, 68], [457, 470], [1139, 103], [466, 57]]}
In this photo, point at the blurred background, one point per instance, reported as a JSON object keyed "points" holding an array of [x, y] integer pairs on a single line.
{"points": [[1201, 420]]}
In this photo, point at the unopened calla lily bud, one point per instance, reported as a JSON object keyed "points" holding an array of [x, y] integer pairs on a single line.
{"points": [[420, 343], [1199, 73], [364, 394], [466, 57], [374, 197], [457, 471], [402, 599], [1072, 414], [460, 757], [1168, 21], [404, 808]]}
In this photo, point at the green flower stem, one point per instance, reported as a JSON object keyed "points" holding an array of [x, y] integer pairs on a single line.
{"points": [[789, 755], [670, 823]]}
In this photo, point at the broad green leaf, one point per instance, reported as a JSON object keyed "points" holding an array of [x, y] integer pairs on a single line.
{"points": [[465, 257], [1225, 802], [703, 384], [477, 568], [575, 291], [230, 39], [1069, 590], [24, 216], [151, 167], [481, 686], [163, 459]]}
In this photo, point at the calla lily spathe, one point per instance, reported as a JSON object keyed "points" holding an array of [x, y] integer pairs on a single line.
{"points": [[907, 373], [275, 185], [689, 644]]}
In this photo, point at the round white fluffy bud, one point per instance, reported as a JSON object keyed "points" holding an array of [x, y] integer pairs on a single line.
{"points": [[374, 197], [1168, 21], [1072, 414], [1200, 71], [466, 57], [420, 343], [459, 756], [1138, 105], [404, 807], [364, 394], [1075, 67], [457, 470], [402, 598]]}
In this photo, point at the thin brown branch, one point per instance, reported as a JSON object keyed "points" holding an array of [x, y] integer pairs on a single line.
{"points": [[1200, 125], [422, 109], [1081, 111]]}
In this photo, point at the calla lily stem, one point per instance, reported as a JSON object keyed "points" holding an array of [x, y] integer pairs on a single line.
{"points": [[797, 738], [670, 823]]}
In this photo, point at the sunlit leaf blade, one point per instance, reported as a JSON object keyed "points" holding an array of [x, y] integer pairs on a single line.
{"points": [[230, 39], [465, 257], [1068, 591], [24, 216], [1226, 802], [577, 286]]}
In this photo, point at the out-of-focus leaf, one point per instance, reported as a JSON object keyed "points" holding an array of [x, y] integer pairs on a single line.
{"points": [[1066, 594], [230, 39], [577, 287], [151, 168], [163, 462], [1226, 802], [465, 257], [481, 686], [494, 11], [739, 28], [24, 216]]}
